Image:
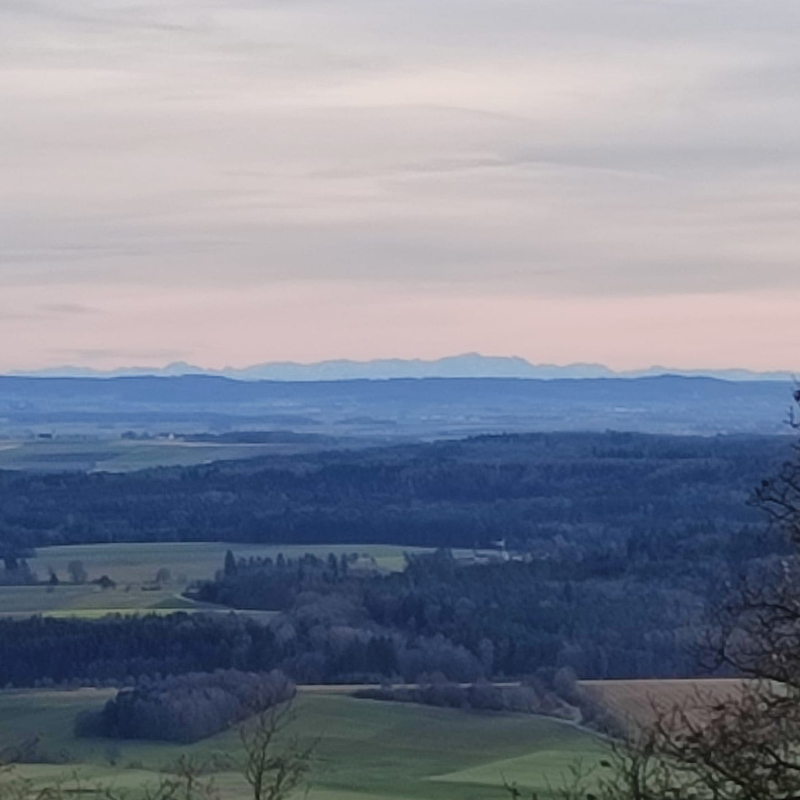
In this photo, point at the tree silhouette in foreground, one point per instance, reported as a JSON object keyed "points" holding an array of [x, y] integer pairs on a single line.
{"points": [[275, 762], [744, 745]]}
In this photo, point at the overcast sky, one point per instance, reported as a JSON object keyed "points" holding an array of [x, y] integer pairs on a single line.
{"points": [[236, 181]]}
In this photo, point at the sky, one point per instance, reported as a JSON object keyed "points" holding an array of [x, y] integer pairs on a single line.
{"points": [[229, 182]]}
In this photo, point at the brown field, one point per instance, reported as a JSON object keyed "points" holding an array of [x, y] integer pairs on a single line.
{"points": [[637, 702]]}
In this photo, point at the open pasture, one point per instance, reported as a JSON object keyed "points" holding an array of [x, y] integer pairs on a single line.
{"points": [[133, 567], [114, 454], [88, 601], [366, 748], [191, 561]]}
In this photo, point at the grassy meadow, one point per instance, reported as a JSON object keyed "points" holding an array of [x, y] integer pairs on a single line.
{"points": [[134, 566], [366, 749], [114, 454]]}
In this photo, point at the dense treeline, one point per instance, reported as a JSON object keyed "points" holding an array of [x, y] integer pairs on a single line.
{"points": [[323, 640], [517, 617], [589, 489], [269, 584], [443, 617], [605, 617], [614, 608], [549, 692], [186, 708], [529, 697], [614, 543], [120, 650]]}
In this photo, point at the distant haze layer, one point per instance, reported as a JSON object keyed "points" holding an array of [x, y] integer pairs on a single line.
{"points": [[468, 365], [226, 182]]}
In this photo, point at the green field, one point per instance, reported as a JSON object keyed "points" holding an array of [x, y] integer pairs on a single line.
{"points": [[134, 566], [367, 749], [87, 601], [120, 455]]}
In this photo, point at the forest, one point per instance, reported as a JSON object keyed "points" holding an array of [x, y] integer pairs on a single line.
{"points": [[594, 552], [592, 491], [186, 708], [632, 614]]}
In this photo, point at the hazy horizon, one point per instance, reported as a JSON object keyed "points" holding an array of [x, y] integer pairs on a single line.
{"points": [[472, 364], [230, 183]]}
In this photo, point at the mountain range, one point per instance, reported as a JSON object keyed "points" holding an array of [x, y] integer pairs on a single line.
{"points": [[467, 365]]}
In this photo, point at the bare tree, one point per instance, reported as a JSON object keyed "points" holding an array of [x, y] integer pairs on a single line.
{"points": [[274, 764], [77, 572], [187, 779], [275, 760], [744, 745]]}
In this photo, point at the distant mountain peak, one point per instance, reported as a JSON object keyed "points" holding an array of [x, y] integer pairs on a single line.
{"points": [[463, 365]]}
